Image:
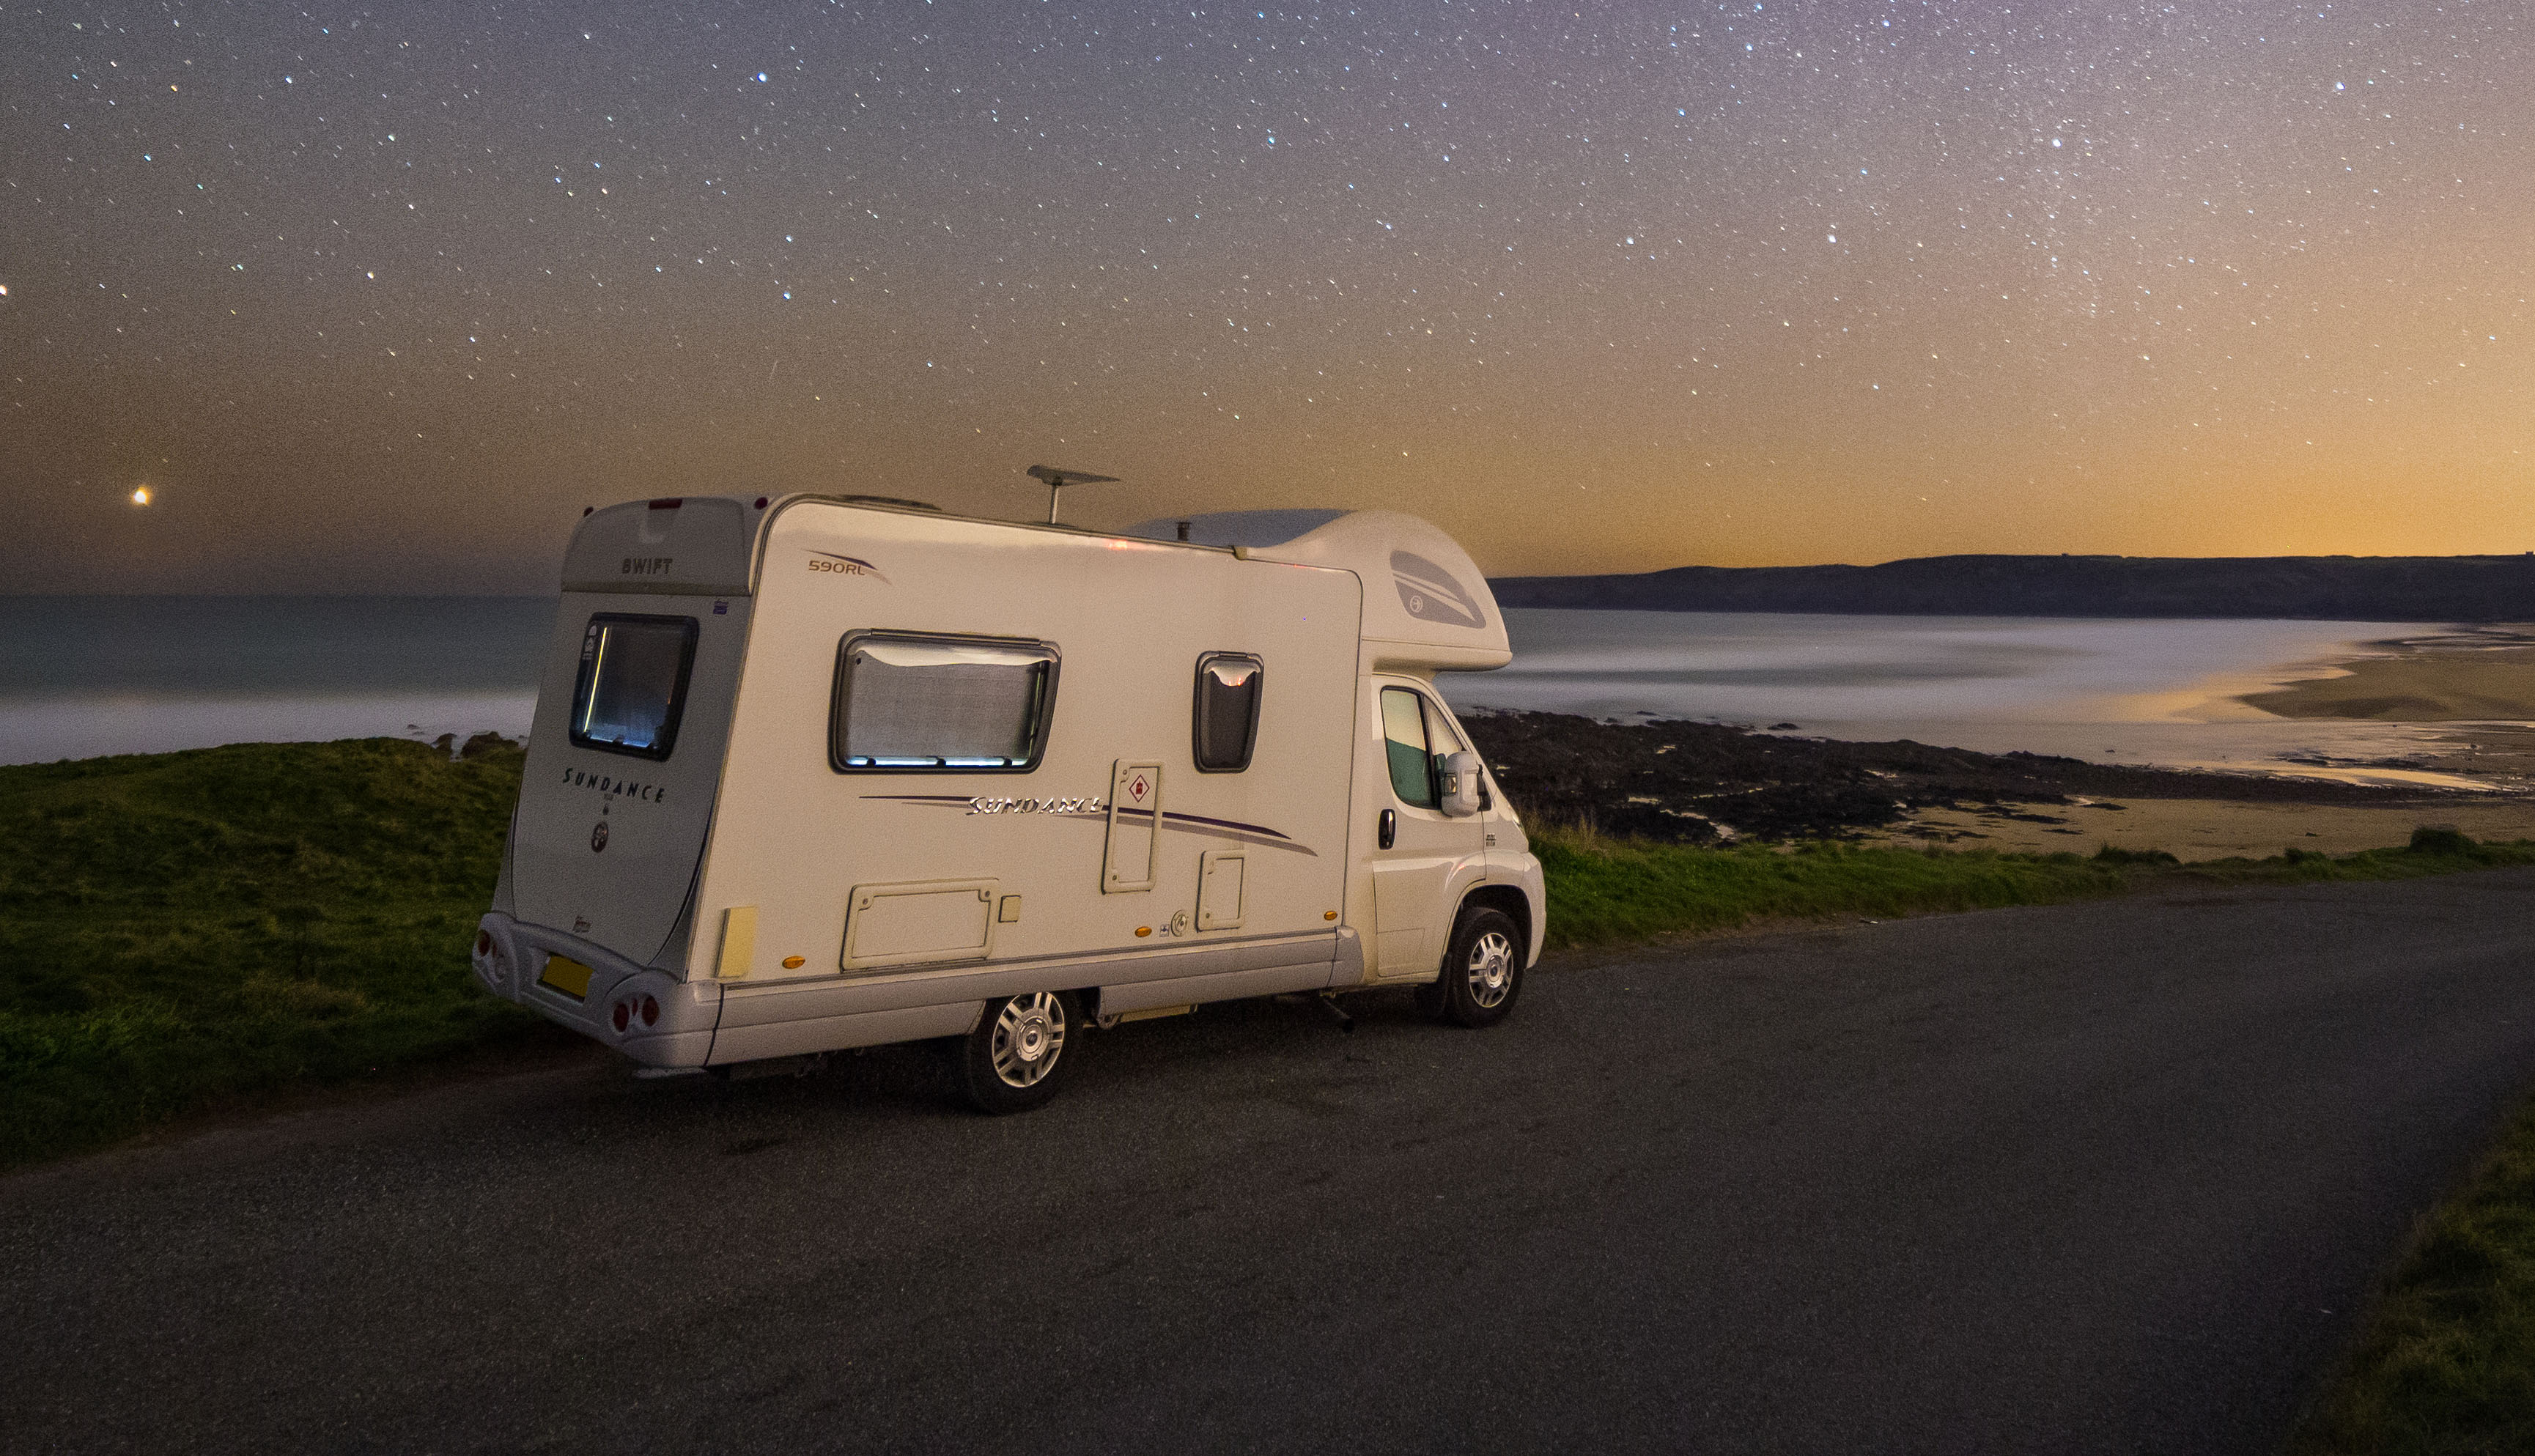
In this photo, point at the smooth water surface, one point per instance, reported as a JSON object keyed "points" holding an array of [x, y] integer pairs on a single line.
{"points": [[81, 676], [2112, 690]]}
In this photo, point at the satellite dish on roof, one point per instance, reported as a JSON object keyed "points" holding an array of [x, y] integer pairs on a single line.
{"points": [[1056, 480]]}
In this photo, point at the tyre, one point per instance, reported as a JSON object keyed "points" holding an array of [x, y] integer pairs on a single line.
{"points": [[1482, 970], [1014, 1061]]}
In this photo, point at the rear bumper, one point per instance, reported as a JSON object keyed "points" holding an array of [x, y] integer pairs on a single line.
{"points": [[511, 958]]}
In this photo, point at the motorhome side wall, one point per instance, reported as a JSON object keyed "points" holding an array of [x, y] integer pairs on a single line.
{"points": [[801, 849]]}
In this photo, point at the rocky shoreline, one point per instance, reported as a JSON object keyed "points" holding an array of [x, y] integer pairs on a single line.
{"points": [[1707, 783]]}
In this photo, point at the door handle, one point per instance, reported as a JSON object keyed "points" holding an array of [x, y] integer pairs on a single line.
{"points": [[1390, 827]]}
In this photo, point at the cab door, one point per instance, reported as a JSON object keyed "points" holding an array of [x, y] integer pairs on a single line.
{"points": [[1420, 854]]}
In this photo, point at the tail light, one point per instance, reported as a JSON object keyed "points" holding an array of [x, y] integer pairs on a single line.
{"points": [[484, 942], [650, 1011], [622, 1015]]}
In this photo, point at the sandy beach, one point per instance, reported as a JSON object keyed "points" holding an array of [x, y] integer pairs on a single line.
{"points": [[2480, 679], [2211, 828], [2478, 675], [2470, 692]]}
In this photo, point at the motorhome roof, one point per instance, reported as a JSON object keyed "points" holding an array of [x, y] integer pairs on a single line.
{"points": [[1426, 606]]}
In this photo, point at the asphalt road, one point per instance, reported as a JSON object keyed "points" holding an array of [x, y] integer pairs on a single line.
{"points": [[2100, 1177]]}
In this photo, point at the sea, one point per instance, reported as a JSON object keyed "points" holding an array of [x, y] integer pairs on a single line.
{"points": [[84, 676], [88, 676]]}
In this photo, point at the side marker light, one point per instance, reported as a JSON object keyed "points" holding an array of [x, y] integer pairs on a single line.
{"points": [[792, 962]]}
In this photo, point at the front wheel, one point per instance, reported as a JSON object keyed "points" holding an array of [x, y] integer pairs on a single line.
{"points": [[1011, 1063], [1482, 971]]}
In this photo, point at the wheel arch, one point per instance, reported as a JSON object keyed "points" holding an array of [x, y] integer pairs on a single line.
{"points": [[1508, 899]]}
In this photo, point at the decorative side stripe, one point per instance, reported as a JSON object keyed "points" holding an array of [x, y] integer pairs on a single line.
{"points": [[1193, 823]]}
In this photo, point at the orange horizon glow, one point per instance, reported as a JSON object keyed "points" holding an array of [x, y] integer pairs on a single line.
{"points": [[1609, 290]]}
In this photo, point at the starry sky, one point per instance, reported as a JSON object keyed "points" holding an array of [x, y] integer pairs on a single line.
{"points": [[377, 298]]}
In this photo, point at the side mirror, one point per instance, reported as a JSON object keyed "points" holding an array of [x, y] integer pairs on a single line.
{"points": [[1459, 778]]}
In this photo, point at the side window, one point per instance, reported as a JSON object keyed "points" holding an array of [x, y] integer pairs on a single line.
{"points": [[1225, 719], [912, 702], [1403, 732], [632, 683]]}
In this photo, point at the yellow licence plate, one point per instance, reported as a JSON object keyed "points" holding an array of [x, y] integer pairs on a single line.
{"points": [[568, 976]]}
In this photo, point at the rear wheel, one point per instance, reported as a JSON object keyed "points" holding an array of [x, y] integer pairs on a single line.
{"points": [[1012, 1061], [1482, 970]]}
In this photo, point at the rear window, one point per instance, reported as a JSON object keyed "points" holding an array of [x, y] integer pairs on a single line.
{"points": [[915, 702], [632, 683], [1227, 714]]}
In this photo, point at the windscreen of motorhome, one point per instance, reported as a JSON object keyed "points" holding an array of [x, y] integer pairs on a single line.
{"points": [[632, 683], [915, 702], [1227, 725]]}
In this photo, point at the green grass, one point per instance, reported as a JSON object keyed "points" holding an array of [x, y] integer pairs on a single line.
{"points": [[1603, 891], [2446, 1364], [183, 930], [188, 931]]}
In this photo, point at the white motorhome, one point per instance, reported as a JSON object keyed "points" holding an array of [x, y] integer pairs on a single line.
{"points": [[811, 773]]}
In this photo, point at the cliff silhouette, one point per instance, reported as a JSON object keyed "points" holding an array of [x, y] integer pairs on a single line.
{"points": [[2346, 588]]}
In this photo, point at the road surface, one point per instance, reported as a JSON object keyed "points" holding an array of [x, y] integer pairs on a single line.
{"points": [[2093, 1178]]}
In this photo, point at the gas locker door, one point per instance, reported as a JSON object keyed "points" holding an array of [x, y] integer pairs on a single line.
{"points": [[1414, 874]]}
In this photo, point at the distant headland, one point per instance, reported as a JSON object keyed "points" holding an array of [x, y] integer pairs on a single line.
{"points": [[2344, 588]]}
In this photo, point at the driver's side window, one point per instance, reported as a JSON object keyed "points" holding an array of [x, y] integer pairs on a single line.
{"points": [[1408, 747]]}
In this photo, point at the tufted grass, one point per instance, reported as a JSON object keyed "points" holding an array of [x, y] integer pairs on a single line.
{"points": [[1604, 890], [215, 928], [2445, 1362], [185, 930]]}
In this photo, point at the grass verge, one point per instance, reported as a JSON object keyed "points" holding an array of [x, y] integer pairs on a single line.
{"points": [[2446, 1364], [1603, 891], [181, 930]]}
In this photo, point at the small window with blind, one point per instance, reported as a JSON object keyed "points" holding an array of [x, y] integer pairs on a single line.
{"points": [[1226, 725], [915, 703]]}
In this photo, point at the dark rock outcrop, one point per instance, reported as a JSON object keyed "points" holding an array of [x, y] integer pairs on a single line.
{"points": [[1700, 783]]}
